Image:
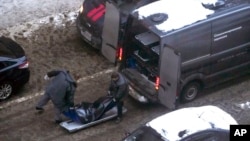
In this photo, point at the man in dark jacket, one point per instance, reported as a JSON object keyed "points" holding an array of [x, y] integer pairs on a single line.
{"points": [[118, 89], [60, 90]]}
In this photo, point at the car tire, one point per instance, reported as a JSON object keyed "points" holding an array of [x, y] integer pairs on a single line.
{"points": [[6, 90], [190, 91]]}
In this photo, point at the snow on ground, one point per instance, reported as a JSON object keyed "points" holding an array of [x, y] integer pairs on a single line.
{"points": [[58, 20], [13, 12]]}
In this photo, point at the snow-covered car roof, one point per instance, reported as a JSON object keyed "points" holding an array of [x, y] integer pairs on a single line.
{"points": [[179, 12], [191, 120]]}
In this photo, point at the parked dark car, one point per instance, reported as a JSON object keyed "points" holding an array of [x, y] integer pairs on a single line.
{"points": [[90, 26], [14, 67], [90, 19]]}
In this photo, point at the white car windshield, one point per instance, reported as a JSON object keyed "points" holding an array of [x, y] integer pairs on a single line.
{"points": [[145, 133]]}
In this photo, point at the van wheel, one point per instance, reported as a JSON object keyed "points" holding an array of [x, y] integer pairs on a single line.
{"points": [[190, 91], [6, 89]]}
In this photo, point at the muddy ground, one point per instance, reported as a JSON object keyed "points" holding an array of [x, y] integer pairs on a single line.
{"points": [[50, 43], [53, 42]]}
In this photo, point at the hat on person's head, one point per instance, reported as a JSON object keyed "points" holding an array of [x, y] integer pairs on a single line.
{"points": [[51, 74], [114, 75]]}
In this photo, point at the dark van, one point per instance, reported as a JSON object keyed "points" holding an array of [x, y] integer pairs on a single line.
{"points": [[170, 55]]}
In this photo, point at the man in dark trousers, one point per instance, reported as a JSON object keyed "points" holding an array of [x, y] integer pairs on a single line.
{"points": [[118, 89], [60, 90]]}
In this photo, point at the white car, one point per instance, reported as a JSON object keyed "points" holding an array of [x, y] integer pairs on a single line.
{"points": [[206, 123]]}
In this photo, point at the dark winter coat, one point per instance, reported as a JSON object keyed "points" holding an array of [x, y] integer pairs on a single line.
{"points": [[61, 89], [120, 88]]}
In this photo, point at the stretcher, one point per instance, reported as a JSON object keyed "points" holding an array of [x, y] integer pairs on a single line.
{"points": [[72, 126]]}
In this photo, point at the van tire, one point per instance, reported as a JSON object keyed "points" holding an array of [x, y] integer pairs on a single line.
{"points": [[190, 91]]}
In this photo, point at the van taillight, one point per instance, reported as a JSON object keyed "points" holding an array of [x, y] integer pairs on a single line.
{"points": [[157, 83], [119, 54], [24, 65]]}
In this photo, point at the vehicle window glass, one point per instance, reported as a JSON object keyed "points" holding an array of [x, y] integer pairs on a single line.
{"points": [[201, 137], [5, 64], [2, 65], [206, 136], [145, 133], [9, 63]]}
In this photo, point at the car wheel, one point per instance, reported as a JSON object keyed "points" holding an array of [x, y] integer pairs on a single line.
{"points": [[6, 89], [190, 91]]}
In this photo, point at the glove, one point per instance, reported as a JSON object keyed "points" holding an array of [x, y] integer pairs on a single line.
{"points": [[109, 93], [114, 99], [46, 77]]}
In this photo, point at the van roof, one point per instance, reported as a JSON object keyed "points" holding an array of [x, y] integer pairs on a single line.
{"points": [[169, 15]]}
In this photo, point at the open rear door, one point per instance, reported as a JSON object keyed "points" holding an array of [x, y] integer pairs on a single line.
{"points": [[110, 32], [169, 76]]}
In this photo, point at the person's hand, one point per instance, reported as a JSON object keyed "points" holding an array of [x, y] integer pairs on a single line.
{"points": [[114, 99], [46, 77], [109, 93], [71, 108]]}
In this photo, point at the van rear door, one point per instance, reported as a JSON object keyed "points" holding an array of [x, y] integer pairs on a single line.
{"points": [[169, 76], [110, 32]]}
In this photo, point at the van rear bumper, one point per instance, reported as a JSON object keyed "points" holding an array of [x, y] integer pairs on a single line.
{"points": [[137, 96], [141, 88]]}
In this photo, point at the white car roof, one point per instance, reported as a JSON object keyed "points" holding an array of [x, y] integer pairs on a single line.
{"points": [[180, 12], [191, 119]]}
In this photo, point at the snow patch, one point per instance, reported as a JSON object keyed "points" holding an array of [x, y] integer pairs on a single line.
{"points": [[27, 29], [180, 12]]}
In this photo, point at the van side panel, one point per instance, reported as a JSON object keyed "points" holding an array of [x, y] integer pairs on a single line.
{"points": [[194, 45], [230, 46], [230, 31], [193, 42]]}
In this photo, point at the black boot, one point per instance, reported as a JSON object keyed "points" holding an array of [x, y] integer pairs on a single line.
{"points": [[118, 120], [40, 110]]}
